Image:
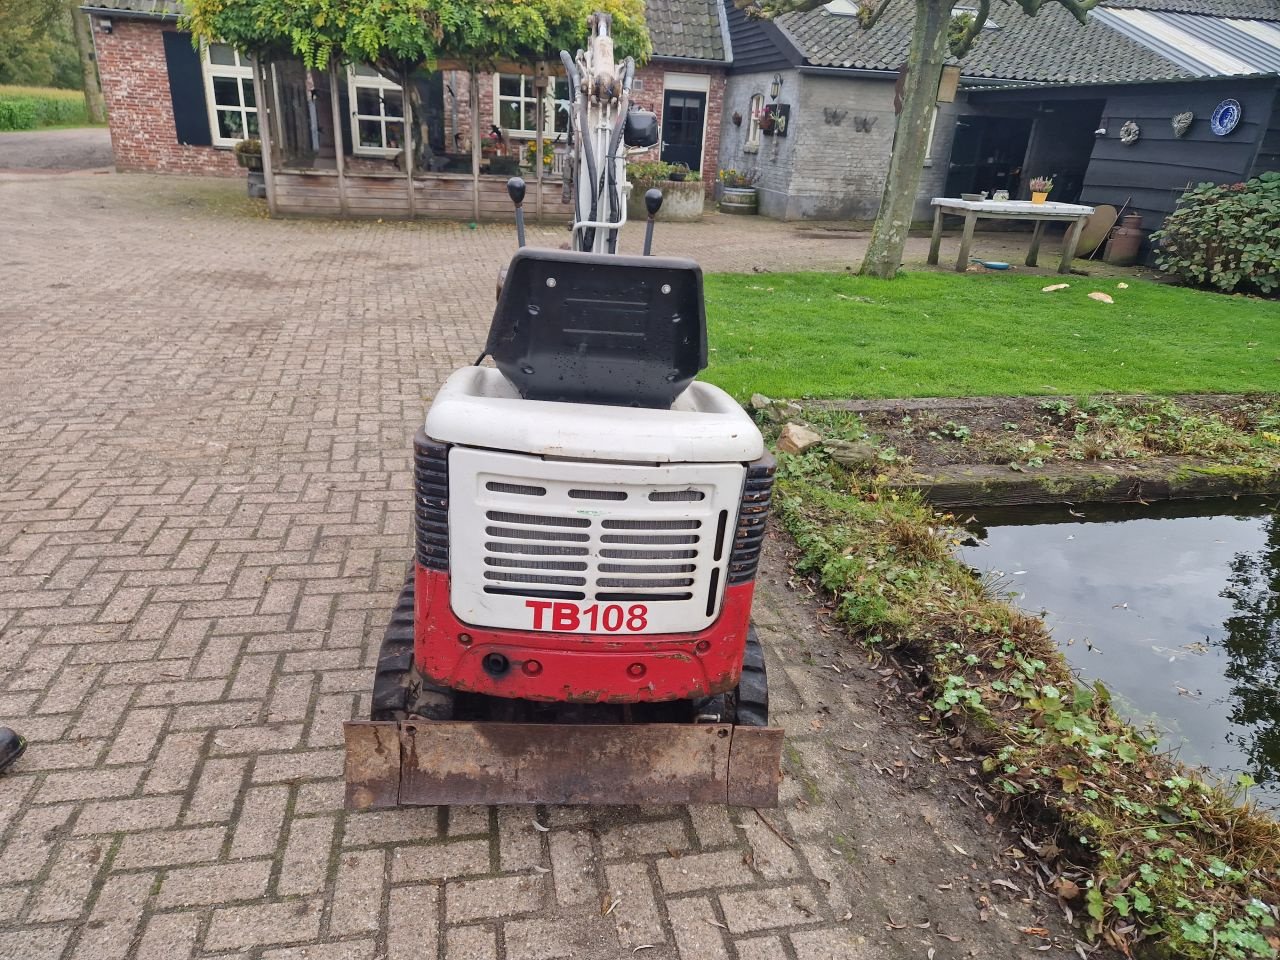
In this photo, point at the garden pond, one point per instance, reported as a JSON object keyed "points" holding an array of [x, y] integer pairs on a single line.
{"points": [[1174, 606]]}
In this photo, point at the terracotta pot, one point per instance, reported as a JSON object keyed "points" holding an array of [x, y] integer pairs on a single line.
{"points": [[1039, 197]]}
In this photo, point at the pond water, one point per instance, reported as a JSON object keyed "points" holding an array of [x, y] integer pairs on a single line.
{"points": [[1175, 606]]}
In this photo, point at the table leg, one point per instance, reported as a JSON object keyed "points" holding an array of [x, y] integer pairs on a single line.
{"points": [[935, 241], [1033, 255], [1069, 249], [966, 238]]}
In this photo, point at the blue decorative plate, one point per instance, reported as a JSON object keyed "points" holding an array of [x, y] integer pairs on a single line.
{"points": [[1225, 117]]}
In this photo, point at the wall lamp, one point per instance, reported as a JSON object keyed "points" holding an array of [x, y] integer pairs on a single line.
{"points": [[775, 88]]}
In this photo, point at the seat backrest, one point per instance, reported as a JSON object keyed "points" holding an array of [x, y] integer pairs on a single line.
{"points": [[599, 328]]}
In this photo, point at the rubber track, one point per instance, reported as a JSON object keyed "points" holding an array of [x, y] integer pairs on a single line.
{"points": [[753, 686], [395, 660]]}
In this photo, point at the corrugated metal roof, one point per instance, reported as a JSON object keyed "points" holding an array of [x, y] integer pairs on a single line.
{"points": [[1248, 9], [1205, 46]]}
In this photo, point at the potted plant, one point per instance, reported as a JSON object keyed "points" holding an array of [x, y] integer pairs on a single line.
{"points": [[738, 193], [1040, 187], [682, 190], [249, 155], [548, 155]]}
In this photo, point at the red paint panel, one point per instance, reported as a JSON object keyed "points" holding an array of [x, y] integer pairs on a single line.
{"points": [[578, 667]]}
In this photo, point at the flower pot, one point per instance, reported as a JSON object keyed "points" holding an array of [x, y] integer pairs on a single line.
{"points": [[741, 201], [1038, 197]]}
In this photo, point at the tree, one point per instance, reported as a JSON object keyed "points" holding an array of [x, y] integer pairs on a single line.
{"points": [[36, 45], [933, 31], [93, 101], [400, 37]]}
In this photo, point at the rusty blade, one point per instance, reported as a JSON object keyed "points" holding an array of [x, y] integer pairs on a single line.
{"points": [[372, 765], [484, 762], [755, 767]]}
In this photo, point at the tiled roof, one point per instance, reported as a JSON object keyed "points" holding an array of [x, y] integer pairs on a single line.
{"points": [[684, 29], [687, 29], [1051, 46], [143, 8]]}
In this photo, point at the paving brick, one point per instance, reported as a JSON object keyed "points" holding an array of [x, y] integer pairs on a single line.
{"points": [[357, 896], [752, 910], [636, 916], [834, 945], [138, 736], [163, 849], [557, 939], [712, 825], [169, 936], [467, 900], [759, 948], [412, 928], [32, 841], [289, 921], [119, 816], [306, 857], [175, 763], [635, 839], [391, 826], [519, 842], [33, 942], [700, 871], [471, 943], [257, 829], [439, 861], [573, 867], [308, 765], [696, 937], [220, 883], [345, 950]]}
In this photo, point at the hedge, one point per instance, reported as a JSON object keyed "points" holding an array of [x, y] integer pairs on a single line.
{"points": [[27, 108]]}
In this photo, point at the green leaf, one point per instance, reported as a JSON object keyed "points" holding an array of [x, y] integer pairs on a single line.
{"points": [[1095, 904]]}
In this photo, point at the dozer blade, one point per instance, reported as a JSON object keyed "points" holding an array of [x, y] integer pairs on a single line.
{"points": [[425, 763]]}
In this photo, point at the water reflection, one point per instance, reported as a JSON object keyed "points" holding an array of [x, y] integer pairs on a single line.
{"points": [[1175, 606]]}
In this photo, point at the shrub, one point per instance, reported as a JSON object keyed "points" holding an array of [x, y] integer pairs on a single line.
{"points": [[26, 108], [739, 178], [1225, 236]]}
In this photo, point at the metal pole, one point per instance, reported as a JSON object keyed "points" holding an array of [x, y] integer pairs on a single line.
{"points": [[540, 79]]}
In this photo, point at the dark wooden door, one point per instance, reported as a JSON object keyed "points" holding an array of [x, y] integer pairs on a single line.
{"points": [[682, 115]]}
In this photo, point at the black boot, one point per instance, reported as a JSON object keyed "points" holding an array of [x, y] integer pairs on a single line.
{"points": [[11, 747]]}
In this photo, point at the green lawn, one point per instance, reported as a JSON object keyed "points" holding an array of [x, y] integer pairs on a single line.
{"points": [[946, 334]]}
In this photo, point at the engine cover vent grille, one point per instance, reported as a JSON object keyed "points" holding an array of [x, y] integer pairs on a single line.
{"points": [[599, 534]]}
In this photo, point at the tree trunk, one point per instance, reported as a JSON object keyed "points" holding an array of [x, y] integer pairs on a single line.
{"points": [[93, 101], [910, 140]]}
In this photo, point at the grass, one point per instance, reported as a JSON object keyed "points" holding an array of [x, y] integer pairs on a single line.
{"points": [[948, 334], [1138, 848], [31, 108]]}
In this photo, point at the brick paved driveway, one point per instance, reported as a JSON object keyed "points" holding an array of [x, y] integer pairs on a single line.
{"points": [[205, 423]]}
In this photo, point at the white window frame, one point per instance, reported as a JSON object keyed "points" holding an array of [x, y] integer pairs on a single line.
{"points": [[528, 94], [755, 106], [379, 83], [240, 71]]}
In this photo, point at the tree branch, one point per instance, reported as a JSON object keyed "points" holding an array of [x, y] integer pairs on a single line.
{"points": [[961, 44], [867, 17]]}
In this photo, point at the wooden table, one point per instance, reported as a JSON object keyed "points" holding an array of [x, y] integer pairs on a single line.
{"points": [[1040, 213]]}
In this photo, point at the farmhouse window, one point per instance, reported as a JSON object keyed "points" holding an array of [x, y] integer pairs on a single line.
{"points": [[515, 106], [377, 112], [228, 88]]}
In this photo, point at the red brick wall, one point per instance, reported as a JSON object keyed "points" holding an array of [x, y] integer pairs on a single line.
{"points": [[646, 93], [135, 82]]}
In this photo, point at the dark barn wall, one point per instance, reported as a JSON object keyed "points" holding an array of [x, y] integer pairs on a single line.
{"points": [[1154, 172], [1269, 150]]}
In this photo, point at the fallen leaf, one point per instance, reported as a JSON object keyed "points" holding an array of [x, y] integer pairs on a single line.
{"points": [[893, 924], [539, 869], [1122, 286], [717, 923], [1001, 882], [1054, 286], [643, 946], [1101, 297], [1035, 931], [538, 826]]}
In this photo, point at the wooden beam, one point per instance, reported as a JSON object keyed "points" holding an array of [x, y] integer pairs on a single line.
{"points": [[475, 146], [339, 151], [266, 117], [407, 138]]}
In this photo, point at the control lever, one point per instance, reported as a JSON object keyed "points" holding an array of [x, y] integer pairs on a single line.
{"points": [[515, 190], [652, 203]]}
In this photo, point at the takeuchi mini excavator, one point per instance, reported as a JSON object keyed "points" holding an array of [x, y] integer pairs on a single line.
{"points": [[576, 627]]}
